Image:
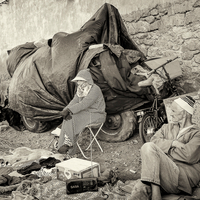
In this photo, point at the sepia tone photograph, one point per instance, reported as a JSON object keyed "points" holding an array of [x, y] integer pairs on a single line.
{"points": [[99, 99]]}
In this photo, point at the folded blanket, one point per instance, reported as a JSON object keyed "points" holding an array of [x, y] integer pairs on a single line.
{"points": [[6, 180], [8, 189], [28, 169]]}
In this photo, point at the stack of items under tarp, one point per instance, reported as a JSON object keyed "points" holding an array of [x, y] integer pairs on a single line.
{"points": [[41, 75]]}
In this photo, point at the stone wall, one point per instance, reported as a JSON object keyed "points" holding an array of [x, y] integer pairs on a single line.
{"points": [[170, 29]]}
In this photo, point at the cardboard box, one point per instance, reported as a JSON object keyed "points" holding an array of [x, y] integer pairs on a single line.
{"points": [[173, 68], [77, 168]]}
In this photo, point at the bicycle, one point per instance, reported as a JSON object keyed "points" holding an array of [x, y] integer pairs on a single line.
{"points": [[152, 118]]}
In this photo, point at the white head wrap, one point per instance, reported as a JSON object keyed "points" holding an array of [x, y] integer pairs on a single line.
{"points": [[187, 103]]}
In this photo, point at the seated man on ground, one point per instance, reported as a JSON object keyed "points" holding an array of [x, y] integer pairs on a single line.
{"points": [[87, 107], [170, 161]]}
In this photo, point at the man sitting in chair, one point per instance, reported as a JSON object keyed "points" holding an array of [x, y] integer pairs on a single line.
{"points": [[170, 161], [87, 107]]}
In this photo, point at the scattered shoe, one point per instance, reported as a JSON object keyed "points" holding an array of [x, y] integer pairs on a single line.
{"points": [[64, 149]]}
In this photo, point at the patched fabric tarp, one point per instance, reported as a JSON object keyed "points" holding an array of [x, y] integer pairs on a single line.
{"points": [[41, 76]]}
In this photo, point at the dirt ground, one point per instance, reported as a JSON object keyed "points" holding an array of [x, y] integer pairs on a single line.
{"points": [[123, 157]]}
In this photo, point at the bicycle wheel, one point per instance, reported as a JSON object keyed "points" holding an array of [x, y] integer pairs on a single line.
{"points": [[147, 126]]}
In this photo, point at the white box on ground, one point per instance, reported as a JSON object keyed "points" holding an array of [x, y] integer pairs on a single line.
{"points": [[77, 168]]}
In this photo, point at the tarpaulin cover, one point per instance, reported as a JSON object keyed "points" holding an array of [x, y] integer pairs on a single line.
{"points": [[41, 76]]}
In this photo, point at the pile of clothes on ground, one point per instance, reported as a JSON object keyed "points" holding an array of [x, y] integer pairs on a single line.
{"points": [[22, 172], [31, 174]]}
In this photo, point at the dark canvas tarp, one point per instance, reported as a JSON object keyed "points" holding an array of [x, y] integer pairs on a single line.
{"points": [[112, 74], [41, 77]]}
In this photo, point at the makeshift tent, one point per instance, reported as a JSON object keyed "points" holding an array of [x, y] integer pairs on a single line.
{"points": [[41, 76]]}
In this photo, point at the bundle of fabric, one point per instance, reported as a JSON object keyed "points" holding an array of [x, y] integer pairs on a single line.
{"points": [[4, 92], [25, 156], [26, 165], [10, 183]]}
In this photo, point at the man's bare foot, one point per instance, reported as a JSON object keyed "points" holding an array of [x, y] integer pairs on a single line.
{"points": [[156, 195]]}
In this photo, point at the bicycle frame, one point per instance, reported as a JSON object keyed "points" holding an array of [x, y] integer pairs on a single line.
{"points": [[155, 107], [152, 118]]}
